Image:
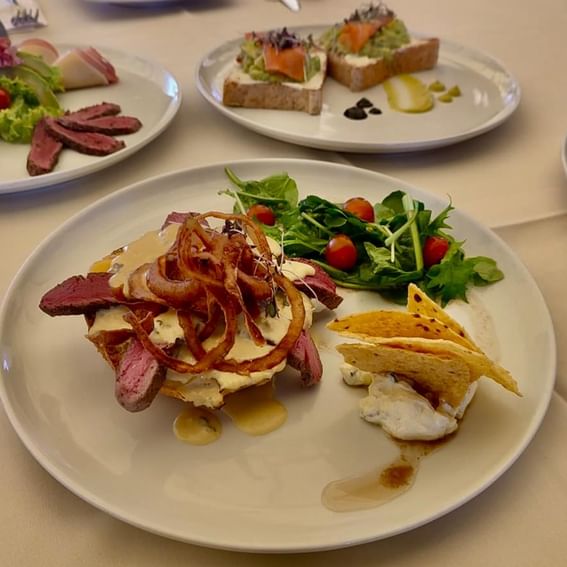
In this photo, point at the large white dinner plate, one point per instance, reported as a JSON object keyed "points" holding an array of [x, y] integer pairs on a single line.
{"points": [[253, 493], [490, 96], [145, 90]]}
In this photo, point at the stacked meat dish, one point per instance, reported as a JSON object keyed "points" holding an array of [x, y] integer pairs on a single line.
{"points": [[198, 312], [90, 130]]}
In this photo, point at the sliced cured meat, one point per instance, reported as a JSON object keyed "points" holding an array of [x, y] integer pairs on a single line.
{"points": [[110, 125], [304, 357], [138, 378], [355, 34], [319, 285], [78, 295], [44, 151], [290, 62], [95, 111], [89, 143], [92, 56]]}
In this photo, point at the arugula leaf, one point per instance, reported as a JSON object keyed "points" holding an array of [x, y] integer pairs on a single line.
{"points": [[278, 191]]}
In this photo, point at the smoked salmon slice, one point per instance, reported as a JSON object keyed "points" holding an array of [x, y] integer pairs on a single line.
{"points": [[355, 34], [290, 61]]}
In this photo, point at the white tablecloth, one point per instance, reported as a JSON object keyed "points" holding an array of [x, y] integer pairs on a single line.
{"points": [[510, 179]]}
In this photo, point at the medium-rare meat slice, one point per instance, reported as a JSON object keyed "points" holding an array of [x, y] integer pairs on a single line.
{"points": [[110, 125], [304, 357], [89, 143], [138, 378], [78, 295], [44, 151], [95, 111], [319, 285]]}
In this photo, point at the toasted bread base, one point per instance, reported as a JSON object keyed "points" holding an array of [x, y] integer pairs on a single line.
{"points": [[275, 96], [415, 57]]}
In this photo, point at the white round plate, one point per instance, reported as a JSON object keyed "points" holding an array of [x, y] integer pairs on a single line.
{"points": [[145, 90], [242, 492], [490, 95]]}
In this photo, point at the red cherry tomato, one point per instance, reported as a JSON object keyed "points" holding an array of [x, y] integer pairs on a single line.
{"points": [[361, 208], [341, 253], [5, 100], [434, 250], [262, 214]]}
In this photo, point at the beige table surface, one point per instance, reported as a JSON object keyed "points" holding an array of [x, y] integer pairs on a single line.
{"points": [[510, 179]]}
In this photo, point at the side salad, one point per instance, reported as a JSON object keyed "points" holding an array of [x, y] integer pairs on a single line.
{"points": [[28, 88], [381, 247]]}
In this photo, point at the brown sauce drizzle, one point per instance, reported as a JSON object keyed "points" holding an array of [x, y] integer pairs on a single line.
{"points": [[372, 489]]}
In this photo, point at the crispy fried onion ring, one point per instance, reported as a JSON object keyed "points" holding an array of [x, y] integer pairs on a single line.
{"points": [[212, 277]]}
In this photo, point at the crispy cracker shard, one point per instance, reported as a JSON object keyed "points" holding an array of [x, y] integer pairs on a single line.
{"points": [[424, 348]]}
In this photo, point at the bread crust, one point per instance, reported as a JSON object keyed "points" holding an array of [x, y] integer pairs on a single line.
{"points": [[410, 59], [275, 96]]}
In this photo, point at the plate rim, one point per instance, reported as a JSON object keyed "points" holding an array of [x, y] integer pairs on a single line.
{"points": [[365, 147], [92, 498], [39, 182]]}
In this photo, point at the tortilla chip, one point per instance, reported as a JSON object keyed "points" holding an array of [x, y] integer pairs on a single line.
{"points": [[478, 363], [446, 376], [387, 324], [420, 302]]}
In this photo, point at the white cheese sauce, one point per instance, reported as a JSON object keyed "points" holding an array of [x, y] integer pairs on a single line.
{"points": [[145, 249], [400, 410]]}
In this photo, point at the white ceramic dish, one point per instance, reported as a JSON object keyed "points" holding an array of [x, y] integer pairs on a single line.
{"points": [[490, 96], [145, 90], [253, 493]]}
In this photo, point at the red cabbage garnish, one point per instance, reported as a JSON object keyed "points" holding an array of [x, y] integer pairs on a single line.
{"points": [[8, 57]]}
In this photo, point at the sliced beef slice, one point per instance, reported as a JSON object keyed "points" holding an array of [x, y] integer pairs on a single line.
{"points": [[320, 284], [78, 295], [110, 125], [44, 151], [89, 143], [304, 357], [139, 378], [95, 111]]}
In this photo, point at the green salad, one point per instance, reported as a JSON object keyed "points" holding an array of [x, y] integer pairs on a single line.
{"points": [[381, 247], [31, 86]]}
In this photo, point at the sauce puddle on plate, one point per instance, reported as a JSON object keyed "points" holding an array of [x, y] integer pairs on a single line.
{"points": [[197, 426], [255, 411], [375, 488]]}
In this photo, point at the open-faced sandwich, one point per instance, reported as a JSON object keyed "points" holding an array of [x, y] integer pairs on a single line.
{"points": [[198, 312], [372, 45], [420, 365], [277, 70]]}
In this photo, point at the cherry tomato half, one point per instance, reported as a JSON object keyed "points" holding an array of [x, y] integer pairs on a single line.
{"points": [[262, 214], [361, 208], [341, 253], [434, 250], [5, 100]]}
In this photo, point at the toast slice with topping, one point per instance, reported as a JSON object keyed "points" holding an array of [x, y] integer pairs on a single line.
{"points": [[373, 45], [277, 70]]}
